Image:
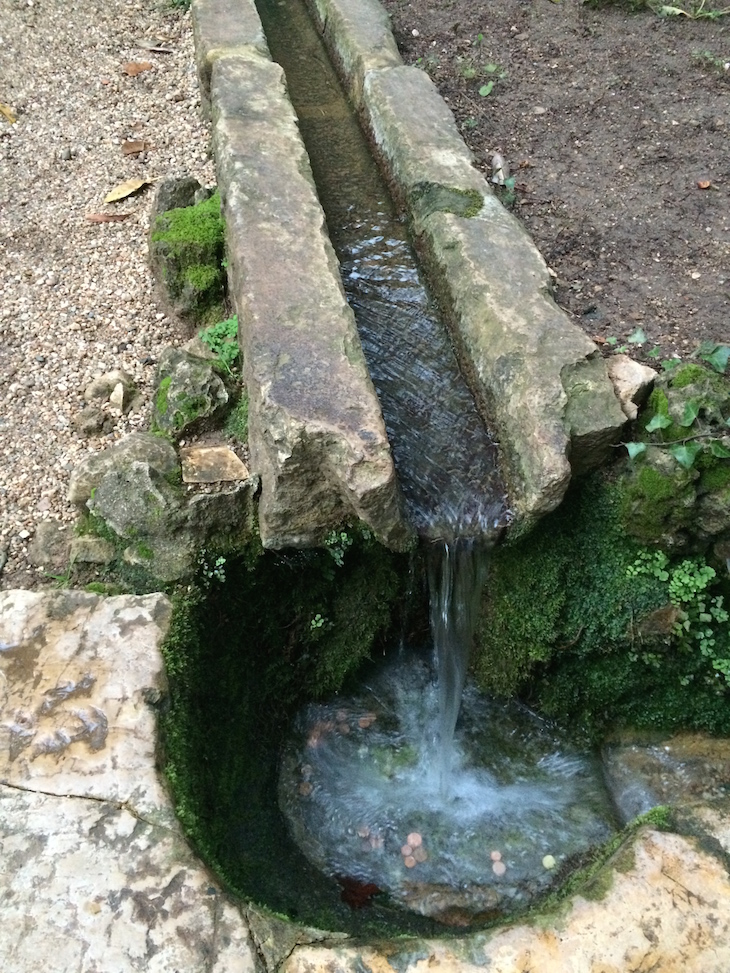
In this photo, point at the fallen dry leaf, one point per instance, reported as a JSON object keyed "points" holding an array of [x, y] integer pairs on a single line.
{"points": [[107, 217], [134, 147], [704, 184], [5, 110], [125, 189], [133, 68], [154, 45]]}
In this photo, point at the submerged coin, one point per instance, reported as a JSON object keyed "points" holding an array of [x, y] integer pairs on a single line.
{"points": [[406, 850], [499, 868], [496, 856], [305, 788], [409, 862], [420, 854], [414, 839]]}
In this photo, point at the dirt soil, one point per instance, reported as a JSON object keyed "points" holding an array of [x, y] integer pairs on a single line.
{"points": [[616, 128]]}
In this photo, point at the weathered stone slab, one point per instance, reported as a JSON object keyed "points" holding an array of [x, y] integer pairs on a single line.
{"points": [[668, 909], [360, 37], [80, 673], [222, 28], [316, 431], [416, 133], [211, 464], [95, 874], [90, 886], [522, 348]]}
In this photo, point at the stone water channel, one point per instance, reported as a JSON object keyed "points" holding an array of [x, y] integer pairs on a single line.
{"points": [[352, 798]]}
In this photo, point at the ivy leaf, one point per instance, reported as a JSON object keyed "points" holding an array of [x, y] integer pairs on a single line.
{"points": [[635, 449], [717, 449], [685, 454], [658, 422], [671, 363], [691, 411], [637, 337], [486, 89], [612, 341], [717, 356]]}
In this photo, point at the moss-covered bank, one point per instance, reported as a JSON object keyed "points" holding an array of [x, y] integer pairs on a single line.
{"points": [[242, 655], [595, 630]]}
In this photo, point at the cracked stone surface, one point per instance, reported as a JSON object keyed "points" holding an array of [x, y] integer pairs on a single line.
{"points": [[95, 874]]}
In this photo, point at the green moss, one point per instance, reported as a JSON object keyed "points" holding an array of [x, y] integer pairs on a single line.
{"points": [[694, 374], [562, 626], [187, 245], [236, 424], [162, 390], [432, 197], [657, 504]]}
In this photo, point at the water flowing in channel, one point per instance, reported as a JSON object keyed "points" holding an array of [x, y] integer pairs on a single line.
{"points": [[417, 784]]}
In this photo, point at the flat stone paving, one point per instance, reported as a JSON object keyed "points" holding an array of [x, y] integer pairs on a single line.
{"points": [[95, 874]]}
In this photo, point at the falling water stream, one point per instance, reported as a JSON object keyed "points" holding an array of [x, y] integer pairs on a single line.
{"points": [[417, 784]]}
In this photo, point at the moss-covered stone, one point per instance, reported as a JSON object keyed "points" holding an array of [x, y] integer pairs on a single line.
{"points": [[188, 390], [186, 251]]}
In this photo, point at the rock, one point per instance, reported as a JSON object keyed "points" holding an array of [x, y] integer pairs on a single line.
{"points": [[186, 254], [50, 546], [224, 29], [175, 194], [632, 381], [197, 347], [593, 416], [316, 431], [678, 770], [103, 385], [135, 489], [139, 446], [211, 464], [92, 421], [91, 550], [188, 389], [95, 869]]}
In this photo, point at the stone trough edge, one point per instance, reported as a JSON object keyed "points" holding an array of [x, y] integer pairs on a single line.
{"points": [[316, 431], [538, 376]]}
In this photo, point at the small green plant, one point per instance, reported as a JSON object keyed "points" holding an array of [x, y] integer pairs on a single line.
{"points": [[337, 543], [691, 9], [711, 62], [702, 620], [317, 622], [222, 339], [211, 570]]}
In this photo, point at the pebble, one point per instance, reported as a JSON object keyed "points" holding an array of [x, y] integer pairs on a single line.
{"points": [[88, 280], [548, 862]]}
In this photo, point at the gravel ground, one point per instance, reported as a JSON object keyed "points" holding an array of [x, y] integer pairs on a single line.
{"points": [[76, 297]]}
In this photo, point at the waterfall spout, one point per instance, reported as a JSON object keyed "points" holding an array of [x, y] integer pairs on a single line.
{"points": [[457, 571]]}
